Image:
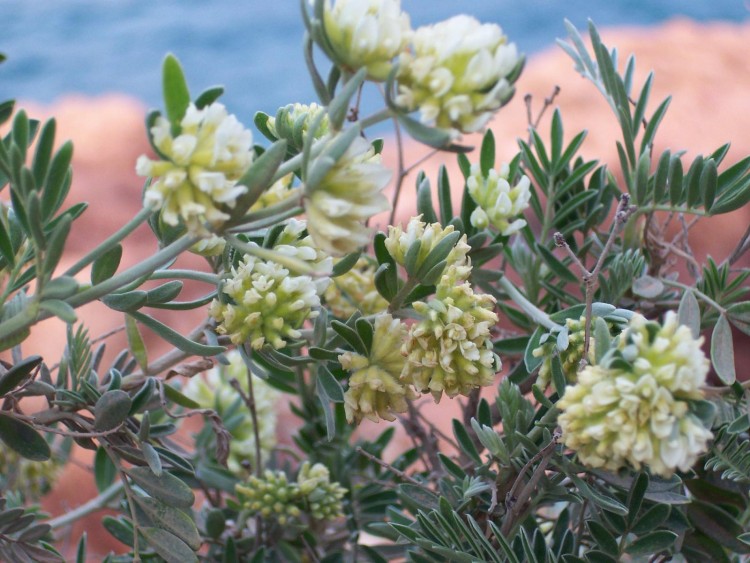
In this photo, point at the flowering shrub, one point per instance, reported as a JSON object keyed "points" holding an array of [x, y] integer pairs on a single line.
{"points": [[590, 405]]}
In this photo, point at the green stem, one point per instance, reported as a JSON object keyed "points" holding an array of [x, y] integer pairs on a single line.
{"points": [[211, 279], [405, 290], [110, 242], [141, 269], [671, 209], [536, 314], [697, 292], [97, 503], [378, 117]]}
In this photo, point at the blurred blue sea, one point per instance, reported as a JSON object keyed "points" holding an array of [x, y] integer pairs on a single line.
{"points": [[252, 47]]}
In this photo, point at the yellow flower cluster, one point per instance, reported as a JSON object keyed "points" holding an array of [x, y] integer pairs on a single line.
{"points": [[263, 302], [635, 410], [457, 73], [375, 388], [450, 350], [346, 197]]}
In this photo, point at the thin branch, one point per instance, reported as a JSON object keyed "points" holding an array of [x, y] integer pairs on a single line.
{"points": [[590, 278], [517, 503], [400, 474]]}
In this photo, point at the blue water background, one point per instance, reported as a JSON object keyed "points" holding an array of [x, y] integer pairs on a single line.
{"points": [[252, 47]]}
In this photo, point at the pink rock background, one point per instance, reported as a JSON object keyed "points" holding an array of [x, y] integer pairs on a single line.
{"points": [[705, 67]]}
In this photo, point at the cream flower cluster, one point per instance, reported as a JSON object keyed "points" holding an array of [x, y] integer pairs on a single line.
{"points": [[366, 34], [498, 203], [347, 196], [375, 389], [400, 240], [313, 494], [635, 410], [267, 304], [457, 74], [450, 350], [197, 180], [355, 291], [293, 122], [214, 391]]}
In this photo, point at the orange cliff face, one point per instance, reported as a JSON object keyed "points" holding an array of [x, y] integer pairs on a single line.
{"points": [[701, 65]]}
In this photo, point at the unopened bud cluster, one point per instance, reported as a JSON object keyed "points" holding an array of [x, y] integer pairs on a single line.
{"points": [[428, 236], [313, 495], [196, 179], [498, 203], [293, 123], [635, 410]]}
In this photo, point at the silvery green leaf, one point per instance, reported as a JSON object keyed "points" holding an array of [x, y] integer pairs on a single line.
{"points": [[689, 313], [111, 410], [648, 287], [722, 351]]}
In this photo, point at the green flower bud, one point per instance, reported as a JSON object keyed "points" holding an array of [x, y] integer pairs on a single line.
{"points": [[293, 122]]}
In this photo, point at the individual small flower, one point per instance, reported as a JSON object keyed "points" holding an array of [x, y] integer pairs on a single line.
{"points": [[634, 410], [450, 350], [211, 245], [366, 34], [214, 391], [290, 243], [323, 498], [399, 241], [293, 122], [267, 304], [375, 389], [271, 496], [197, 180], [499, 204], [349, 194], [355, 291], [457, 74]]}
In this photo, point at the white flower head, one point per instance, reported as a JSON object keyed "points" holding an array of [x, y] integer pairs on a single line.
{"points": [[196, 182], [347, 196], [636, 411], [457, 74], [366, 34]]}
